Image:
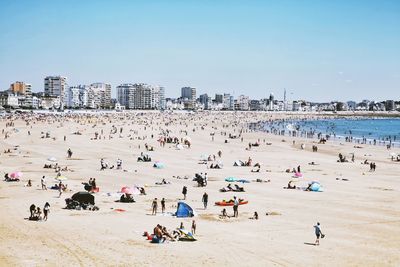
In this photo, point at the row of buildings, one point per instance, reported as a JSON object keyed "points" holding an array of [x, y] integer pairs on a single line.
{"points": [[57, 94], [188, 100]]}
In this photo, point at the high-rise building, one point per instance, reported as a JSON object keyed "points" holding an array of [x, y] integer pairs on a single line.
{"points": [[77, 96], [243, 102], [123, 92], [229, 102], [390, 105], [99, 95], [163, 104], [141, 96], [188, 93], [55, 86], [219, 99], [204, 99]]}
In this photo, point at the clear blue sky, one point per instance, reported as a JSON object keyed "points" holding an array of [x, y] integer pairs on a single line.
{"points": [[318, 50]]}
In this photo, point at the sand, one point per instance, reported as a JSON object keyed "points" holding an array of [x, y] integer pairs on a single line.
{"points": [[360, 217]]}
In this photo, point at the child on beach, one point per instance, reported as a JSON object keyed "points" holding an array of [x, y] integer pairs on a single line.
{"points": [[318, 233]]}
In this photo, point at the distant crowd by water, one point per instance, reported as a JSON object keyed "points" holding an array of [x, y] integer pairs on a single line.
{"points": [[384, 132]]}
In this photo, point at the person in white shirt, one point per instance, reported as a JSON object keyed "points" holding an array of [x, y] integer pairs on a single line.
{"points": [[235, 207], [43, 182]]}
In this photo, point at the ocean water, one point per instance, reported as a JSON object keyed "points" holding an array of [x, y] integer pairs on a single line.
{"points": [[384, 131]]}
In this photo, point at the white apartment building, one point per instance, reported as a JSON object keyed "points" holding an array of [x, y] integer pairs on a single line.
{"points": [[140, 96], [243, 102], [99, 95], [77, 96]]}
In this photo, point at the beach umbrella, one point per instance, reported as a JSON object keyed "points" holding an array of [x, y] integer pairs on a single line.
{"points": [[126, 190], [17, 174], [53, 159], [61, 178], [130, 190]]}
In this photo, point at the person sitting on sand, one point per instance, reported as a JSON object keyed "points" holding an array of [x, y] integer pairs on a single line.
{"points": [[249, 162], [142, 191], [309, 187], [158, 233], [291, 185], [38, 214], [29, 184], [238, 188], [94, 185], [165, 232], [255, 216]]}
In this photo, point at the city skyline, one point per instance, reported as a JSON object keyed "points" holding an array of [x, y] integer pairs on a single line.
{"points": [[318, 51]]}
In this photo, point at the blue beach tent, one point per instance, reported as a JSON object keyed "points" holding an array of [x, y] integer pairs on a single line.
{"points": [[184, 210]]}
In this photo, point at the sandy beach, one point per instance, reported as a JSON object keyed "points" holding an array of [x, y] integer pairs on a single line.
{"points": [[358, 210]]}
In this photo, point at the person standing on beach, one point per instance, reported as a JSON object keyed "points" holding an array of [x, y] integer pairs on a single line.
{"points": [[205, 200], [184, 192], [46, 211], [43, 182], [154, 207], [235, 207], [162, 205], [60, 189], [32, 209], [318, 233], [69, 152], [194, 227]]}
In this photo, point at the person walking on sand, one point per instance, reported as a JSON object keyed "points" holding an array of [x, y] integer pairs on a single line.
{"points": [[205, 200], [60, 189], [154, 207], [318, 233], [46, 211], [235, 207], [194, 227], [163, 205], [184, 192], [43, 182]]}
